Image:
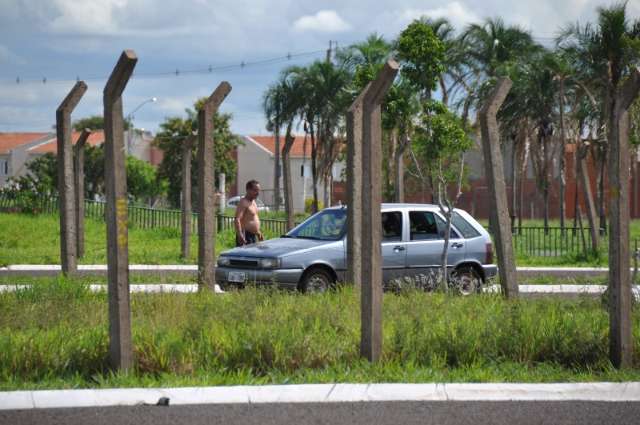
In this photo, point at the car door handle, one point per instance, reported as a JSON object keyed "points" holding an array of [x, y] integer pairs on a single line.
{"points": [[398, 248], [456, 245]]}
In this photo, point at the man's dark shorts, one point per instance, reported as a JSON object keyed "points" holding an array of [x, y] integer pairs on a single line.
{"points": [[248, 237]]}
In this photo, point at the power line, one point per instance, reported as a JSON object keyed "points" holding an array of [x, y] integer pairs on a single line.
{"points": [[175, 73]]}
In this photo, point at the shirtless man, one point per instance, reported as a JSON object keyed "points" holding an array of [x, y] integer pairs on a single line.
{"points": [[247, 221]]}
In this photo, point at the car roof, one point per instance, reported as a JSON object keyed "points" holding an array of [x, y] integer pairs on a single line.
{"points": [[390, 206]]}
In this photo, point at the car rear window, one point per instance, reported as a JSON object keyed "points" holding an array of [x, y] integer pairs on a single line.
{"points": [[467, 230]]}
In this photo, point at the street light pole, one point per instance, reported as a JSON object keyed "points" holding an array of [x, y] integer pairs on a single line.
{"points": [[129, 119]]}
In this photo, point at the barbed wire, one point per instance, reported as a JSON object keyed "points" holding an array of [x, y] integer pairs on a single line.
{"points": [[210, 69]]}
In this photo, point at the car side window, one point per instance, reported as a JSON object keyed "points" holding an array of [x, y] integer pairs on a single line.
{"points": [[423, 226], [442, 227], [392, 226]]}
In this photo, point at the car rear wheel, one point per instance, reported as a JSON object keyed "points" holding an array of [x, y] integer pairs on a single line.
{"points": [[316, 280], [466, 280]]}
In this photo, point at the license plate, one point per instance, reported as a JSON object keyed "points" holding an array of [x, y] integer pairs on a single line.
{"points": [[236, 277]]}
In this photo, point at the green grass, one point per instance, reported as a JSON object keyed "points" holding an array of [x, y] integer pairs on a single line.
{"points": [[35, 239], [573, 280], [56, 336], [29, 239]]}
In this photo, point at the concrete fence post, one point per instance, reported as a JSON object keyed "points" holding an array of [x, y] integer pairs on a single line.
{"points": [[206, 188], [186, 197], [79, 189], [620, 296], [120, 345], [494, 169], [68, 249], [365, 193]]}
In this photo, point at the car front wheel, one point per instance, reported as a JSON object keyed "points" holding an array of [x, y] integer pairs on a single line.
{"points": [[315, 281]]}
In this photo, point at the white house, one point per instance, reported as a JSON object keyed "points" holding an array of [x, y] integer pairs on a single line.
{"points": [[256, 160], [17, 149]]}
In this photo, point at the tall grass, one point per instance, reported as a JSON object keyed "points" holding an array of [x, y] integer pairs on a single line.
{"points": [[56, 335]]}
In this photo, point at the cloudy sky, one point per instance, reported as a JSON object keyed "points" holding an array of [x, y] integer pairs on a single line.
{"points": [[62, 40]]}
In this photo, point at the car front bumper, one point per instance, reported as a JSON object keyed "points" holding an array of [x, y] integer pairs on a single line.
{"points": [[490, 271], [281, 277]]}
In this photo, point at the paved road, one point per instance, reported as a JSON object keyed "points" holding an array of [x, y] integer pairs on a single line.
{"points": [[370, 413]]}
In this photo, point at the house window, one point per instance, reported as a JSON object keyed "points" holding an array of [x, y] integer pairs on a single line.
{"points": [[4, 167]]}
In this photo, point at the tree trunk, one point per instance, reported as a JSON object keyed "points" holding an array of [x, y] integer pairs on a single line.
{"points": [[276, 172], [514, 192], [314, 170], [583, 173], [286, 171], [634, 177], [601, 196], [523, 160], [445, 93], [325, 183], [545, 190], [563, 180], [399, 170]]}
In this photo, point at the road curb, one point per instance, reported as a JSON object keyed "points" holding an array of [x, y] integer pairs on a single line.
{"points": [[321, 393], [192, 269]]}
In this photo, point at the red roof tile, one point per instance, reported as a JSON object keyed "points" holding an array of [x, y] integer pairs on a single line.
{"points": [[269, 143], [9, 141], [96, 138]]}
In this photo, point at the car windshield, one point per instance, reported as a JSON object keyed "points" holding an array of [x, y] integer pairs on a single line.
{"points": [[327, 225]]}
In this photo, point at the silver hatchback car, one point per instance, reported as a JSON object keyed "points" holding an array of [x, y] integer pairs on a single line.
{"points": [[312, 256]]}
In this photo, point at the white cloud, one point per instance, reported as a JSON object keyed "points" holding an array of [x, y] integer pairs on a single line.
{"points": [[323, 21], [455, 12], [87, 16]]}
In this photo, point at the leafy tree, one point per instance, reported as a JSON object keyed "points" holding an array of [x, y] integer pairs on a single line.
{"points": [[142, 181], [173, 133], [94, 171], [94, 122], [440, 143], [41, 177], [422, 56]]}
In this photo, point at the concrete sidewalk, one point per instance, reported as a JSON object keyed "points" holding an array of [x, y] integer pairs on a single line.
{"points": [[321, 393], [192, 269]]}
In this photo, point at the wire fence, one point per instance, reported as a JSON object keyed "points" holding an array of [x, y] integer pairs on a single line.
{"points": [[139, 217], [533, 241], [538, 241]]}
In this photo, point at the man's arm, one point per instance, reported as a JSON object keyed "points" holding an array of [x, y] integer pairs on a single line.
{"points": [[240, 209]]}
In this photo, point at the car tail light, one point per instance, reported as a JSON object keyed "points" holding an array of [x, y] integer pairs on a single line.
{"points": [[489, 253]]}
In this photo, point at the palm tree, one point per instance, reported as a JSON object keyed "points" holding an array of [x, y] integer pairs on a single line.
{"points": [[604, 54], [374, 50], [290, 95], [324, 99], [492, 46], [273, 104]]}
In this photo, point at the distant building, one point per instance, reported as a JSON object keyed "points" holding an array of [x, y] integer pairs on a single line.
{"points": [[256, 160], [17, 149]]}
